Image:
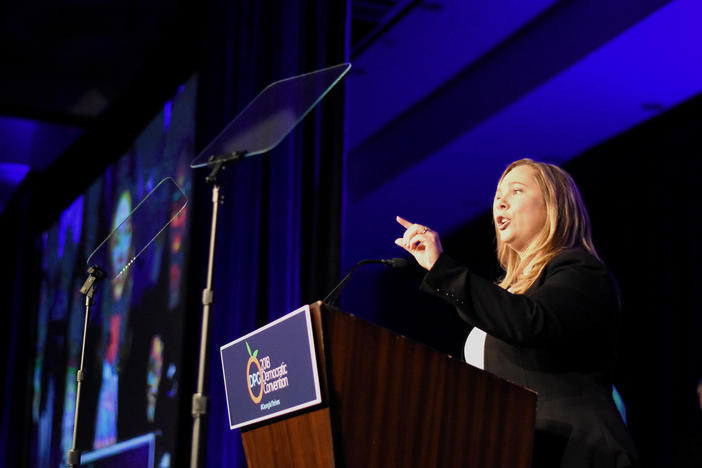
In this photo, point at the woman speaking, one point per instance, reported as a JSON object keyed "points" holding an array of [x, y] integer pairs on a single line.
{"points": [[551, 324]]}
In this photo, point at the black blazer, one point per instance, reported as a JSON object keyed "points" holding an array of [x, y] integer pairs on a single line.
{"points": [[558, 339]]}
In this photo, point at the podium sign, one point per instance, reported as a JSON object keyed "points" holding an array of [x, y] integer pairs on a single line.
{"points": [[271, 371]]}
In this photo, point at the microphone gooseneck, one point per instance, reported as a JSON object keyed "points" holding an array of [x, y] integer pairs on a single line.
{"points": [[392, 263]]}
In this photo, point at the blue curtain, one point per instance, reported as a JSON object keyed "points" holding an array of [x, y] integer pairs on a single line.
{"points": [[279, 227]]}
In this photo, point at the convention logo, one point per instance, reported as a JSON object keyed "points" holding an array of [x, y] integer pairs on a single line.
{"points": [[256, 378], [261, 379]]}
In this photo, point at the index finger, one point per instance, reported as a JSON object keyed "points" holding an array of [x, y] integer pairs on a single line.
{"points": [[405, 224]]}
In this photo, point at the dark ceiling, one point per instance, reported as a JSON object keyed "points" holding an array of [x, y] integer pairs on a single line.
{"points": [[525, 66], [65, 63]]}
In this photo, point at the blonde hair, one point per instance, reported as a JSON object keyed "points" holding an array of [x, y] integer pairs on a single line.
{"points": [[567, 225]]}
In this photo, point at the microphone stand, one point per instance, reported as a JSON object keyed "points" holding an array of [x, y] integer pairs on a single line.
{"points": [[200, 401], [95, 275]]}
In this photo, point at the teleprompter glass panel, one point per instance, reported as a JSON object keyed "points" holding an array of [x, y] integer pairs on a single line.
{"points": [[270, 116], [133, 230]]}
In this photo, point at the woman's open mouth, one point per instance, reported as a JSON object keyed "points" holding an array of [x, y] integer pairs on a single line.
{"points": [[502, 222]]}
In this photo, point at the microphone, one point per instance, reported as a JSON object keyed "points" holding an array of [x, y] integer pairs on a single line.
{"points": [[396, 262], [392, 263]]}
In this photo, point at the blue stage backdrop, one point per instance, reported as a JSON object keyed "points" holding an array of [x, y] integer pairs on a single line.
{"points": [[135, 332]]}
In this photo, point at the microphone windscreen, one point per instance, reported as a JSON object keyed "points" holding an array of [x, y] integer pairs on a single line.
{"points": [[397, 262]]}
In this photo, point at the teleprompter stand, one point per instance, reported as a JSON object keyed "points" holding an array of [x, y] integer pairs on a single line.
{"points": [[256, 130], [148, 232]]}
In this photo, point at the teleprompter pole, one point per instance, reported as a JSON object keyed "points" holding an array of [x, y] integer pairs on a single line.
{"points": [[95, 275], [199, 403]]}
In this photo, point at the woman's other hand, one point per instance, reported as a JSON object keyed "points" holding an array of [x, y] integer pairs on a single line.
{"points": [[421, 242]]}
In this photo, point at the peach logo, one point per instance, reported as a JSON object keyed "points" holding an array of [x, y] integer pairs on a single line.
{"points": [[255, 378]]}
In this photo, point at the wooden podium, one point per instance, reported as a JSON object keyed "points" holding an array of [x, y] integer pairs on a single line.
{"points": [[388, 401]]}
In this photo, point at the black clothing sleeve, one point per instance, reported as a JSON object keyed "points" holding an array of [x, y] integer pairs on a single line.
{"points": [[574, 297]]}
